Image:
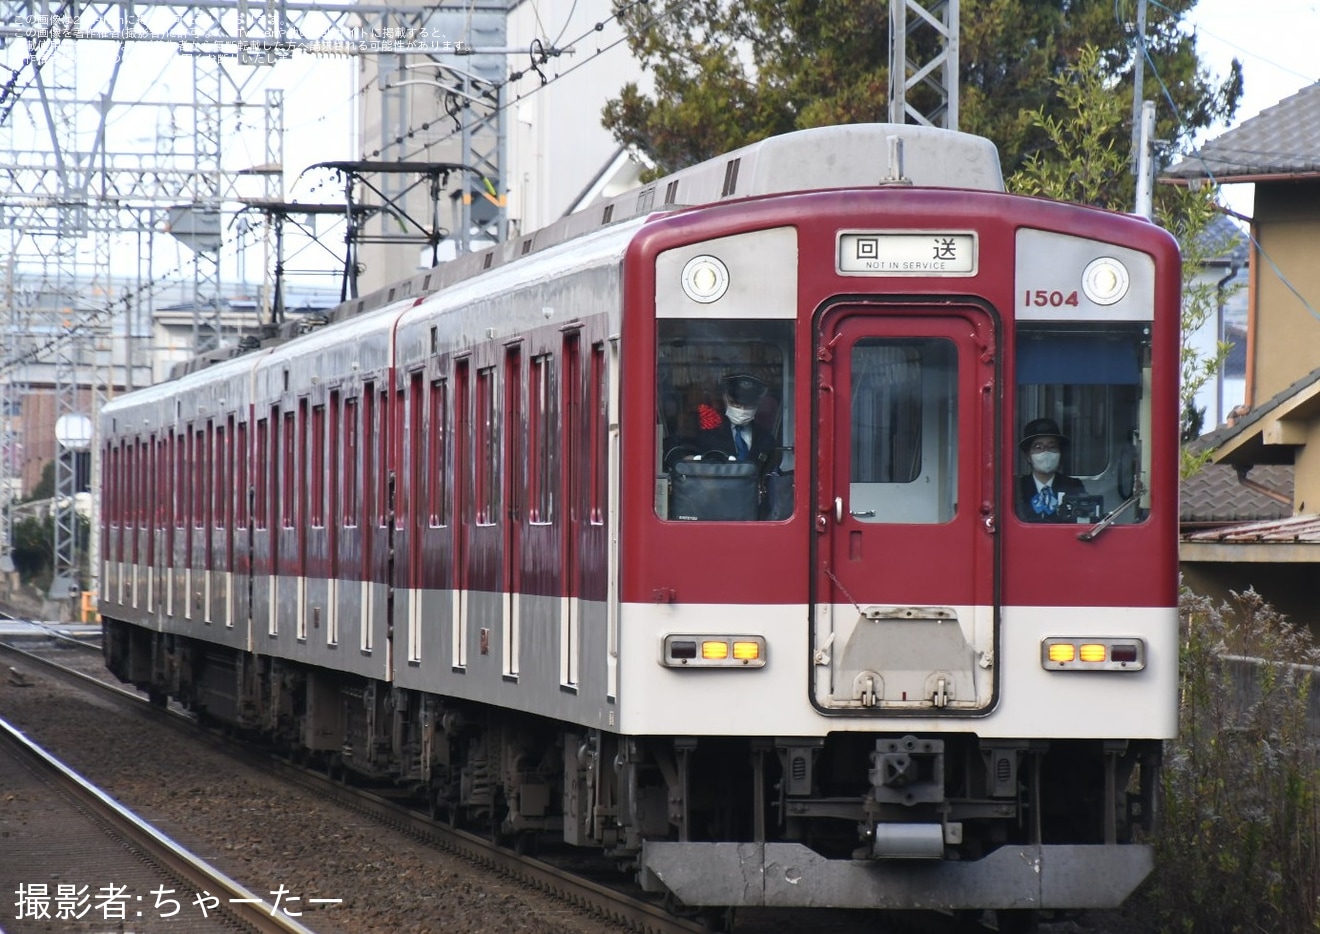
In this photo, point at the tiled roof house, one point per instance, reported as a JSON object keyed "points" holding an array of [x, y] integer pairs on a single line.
{"points": [[1252, 517]]}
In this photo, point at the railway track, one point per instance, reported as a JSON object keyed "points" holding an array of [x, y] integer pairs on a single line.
{"points": [[122, 869], [584, 895]]}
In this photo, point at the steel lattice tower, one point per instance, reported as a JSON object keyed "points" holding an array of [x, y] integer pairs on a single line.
{"points": [[938, 71]]}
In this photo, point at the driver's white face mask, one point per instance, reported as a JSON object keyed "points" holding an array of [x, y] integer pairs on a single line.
{"points": [[1045, 461], [737, 414]]}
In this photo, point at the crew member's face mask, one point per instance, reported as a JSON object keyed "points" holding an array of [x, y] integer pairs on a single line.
{"points": [[1045, 461], [737, 414]]}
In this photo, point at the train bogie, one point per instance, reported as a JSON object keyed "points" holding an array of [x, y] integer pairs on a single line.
{"points": [[715, 537]]}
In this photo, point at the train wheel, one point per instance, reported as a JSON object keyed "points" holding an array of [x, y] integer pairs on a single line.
{"points": [[157, 698], [335, 770], [495, 831], [441, 810]]}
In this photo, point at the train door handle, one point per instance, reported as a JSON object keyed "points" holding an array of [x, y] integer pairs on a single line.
{"points": [[838, 509]]}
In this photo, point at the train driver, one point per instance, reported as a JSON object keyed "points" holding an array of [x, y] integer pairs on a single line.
{"points": [[729, 435], [1043, 492], [736, 434]]}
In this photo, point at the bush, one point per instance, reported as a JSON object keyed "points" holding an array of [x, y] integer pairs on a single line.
{"points": [[1238, 848], [33, 550]]}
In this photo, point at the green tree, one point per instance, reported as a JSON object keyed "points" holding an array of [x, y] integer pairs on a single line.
{"points": [[727, 74], [1078, 158], [45, 487], [33, 549]]}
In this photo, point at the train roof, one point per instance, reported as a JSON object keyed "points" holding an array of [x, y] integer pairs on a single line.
{"points": [[368, 338], [859, 155]]}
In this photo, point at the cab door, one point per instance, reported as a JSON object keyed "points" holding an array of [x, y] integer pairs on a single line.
{"points": [[905, 556]]}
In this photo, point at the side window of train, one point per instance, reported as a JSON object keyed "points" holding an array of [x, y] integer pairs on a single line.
{"points": [[487, 449], [1083, 395], [723, 419]]}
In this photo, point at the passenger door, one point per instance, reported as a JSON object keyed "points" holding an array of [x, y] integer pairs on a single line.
{"points": [[905, 561]]}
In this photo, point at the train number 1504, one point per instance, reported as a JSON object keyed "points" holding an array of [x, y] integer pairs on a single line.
{"points": [[1041, 298]]}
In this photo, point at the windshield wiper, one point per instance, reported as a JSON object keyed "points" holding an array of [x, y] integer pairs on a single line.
{"points": [[1137, 491]]}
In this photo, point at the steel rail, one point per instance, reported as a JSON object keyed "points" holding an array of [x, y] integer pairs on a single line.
{"points": [[234, 900], [636, 913]]}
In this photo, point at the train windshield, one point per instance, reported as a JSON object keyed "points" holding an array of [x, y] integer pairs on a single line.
{"points": [[1083, 417], [725, 432]]}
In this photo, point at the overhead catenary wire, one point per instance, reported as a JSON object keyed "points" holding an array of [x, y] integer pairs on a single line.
{"points": [[669, 10], [92, 317]]}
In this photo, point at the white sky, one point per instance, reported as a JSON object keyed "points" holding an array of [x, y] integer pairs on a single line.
{"points": [[1276, 42]]}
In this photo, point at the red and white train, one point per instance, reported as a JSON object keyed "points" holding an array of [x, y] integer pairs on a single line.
{"points": [[457, 539]]}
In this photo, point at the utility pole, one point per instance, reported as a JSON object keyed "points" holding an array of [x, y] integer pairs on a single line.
{"points": [[1138, 84], [1146, 161], [1142, 159]]}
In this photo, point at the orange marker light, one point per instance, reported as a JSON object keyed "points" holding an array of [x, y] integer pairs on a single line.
{"points": [[1062, 652], [714, 650], [1093, 652], [746, 650]]}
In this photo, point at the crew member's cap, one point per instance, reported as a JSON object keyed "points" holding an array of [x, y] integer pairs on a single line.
{"points": [[1041, 428], [743, 389]]}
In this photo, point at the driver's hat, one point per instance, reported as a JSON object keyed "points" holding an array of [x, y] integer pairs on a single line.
{"points": [[1041, 428], [743, 389]]}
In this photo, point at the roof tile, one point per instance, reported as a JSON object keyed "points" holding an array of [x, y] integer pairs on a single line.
{"points": [[1294, 530], [1280, 140], [1214, 495]]}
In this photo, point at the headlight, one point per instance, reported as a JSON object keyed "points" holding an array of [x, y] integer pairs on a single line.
{"points": [[705, 279], [1105, 280]]}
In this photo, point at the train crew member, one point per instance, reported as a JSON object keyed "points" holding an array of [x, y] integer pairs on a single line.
{"points": [[736, 433], [734, 436], [1043, 490]]}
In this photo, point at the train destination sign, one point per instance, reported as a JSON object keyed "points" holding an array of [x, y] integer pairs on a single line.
{"points": [[922, 253]]}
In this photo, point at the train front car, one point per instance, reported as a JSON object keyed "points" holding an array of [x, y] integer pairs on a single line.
{"points": [[871, 654]]}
